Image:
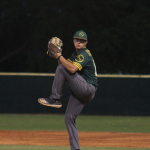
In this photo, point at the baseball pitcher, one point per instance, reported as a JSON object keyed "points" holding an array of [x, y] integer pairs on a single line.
{"points": [[79, 71]]}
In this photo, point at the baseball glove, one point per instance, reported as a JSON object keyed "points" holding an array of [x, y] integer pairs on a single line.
{"points": [[54, 46]]}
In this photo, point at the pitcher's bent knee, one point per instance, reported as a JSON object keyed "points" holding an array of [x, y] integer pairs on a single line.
{"points": [[60, 66]]}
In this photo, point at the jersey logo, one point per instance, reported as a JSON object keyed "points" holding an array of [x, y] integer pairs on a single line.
{"points": [[81, 34], [80, 58]]}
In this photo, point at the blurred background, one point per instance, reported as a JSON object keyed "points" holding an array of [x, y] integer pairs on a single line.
{"points": [[118, 33]]}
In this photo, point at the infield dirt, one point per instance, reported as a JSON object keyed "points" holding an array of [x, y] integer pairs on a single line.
{"points": [[61, 138]]}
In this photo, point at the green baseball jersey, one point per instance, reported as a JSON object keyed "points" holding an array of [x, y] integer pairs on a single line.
{"points": [[86, 65]]}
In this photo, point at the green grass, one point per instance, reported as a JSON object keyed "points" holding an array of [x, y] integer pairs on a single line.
{"points": [[21, 147], [32, 122], [114, 124], [84, 123]]}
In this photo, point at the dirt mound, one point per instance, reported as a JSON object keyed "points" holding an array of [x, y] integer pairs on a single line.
{"points": [[61, 138]]}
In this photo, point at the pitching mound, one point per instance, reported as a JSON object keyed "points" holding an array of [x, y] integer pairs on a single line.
{"points": [[61, 138]]}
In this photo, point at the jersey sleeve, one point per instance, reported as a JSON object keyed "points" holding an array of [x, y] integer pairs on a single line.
{"points": [[81, 60]]}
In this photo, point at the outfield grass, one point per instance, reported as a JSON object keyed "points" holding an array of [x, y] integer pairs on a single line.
{"points": [[84, 123], [21, 147]]}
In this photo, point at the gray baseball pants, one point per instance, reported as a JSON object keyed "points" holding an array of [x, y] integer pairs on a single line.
{"points": [[81, 93]]}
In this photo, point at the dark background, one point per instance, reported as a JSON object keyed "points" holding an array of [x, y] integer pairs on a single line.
{"points": [[118, 33]]}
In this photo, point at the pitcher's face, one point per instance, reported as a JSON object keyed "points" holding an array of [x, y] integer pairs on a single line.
{"points": [[79, 43]]}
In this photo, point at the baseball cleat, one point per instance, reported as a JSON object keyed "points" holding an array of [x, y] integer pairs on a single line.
{"points": [[50, 102]]}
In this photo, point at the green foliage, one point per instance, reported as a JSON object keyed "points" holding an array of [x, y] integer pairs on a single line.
{"points": [[118, 33]]}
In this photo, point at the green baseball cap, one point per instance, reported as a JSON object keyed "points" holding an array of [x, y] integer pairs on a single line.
{"points": [[80, 35]]}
